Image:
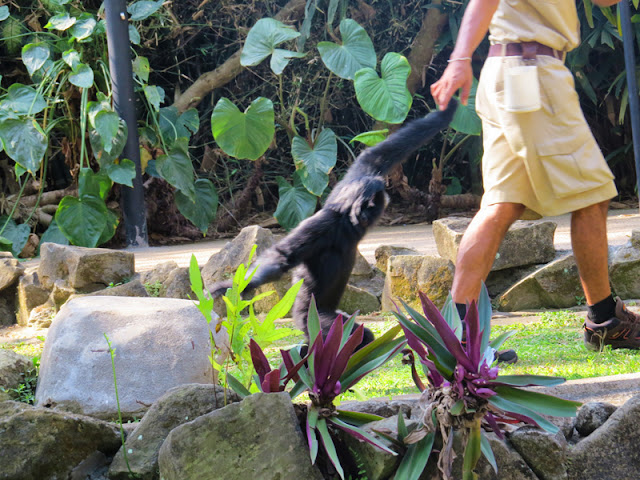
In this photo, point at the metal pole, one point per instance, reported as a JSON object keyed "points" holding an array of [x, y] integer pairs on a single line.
{"points": [[132, 201], [632, 86]]}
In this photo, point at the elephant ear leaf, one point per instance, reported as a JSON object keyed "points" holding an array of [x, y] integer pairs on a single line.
{"points": [[262, 40], [355, 53]]}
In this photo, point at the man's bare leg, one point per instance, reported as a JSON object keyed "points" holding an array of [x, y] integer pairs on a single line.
{"points": [[590, 249], [479, 246]]}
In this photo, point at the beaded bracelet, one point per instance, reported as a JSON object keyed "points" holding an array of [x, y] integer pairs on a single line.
{"points": [[459, 59]]}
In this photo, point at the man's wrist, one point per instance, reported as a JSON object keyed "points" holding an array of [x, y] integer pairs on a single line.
{"points": [[459, 59]]}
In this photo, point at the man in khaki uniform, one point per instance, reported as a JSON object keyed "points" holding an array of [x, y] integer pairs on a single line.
{"points": [[538, 163]]}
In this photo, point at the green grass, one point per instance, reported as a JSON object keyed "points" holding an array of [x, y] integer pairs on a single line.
{"points": [[550, 346]]}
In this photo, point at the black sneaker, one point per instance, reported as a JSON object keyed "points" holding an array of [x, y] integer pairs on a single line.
{"points": [[621, 331]]}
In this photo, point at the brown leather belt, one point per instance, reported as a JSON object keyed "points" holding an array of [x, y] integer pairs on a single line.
{"points": [[528, 50]]}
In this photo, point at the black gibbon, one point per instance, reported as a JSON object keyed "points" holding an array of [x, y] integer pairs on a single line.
{"points": [[323, 247]]}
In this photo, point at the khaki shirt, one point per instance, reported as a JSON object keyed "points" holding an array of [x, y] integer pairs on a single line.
{"points": [[551, 22]]}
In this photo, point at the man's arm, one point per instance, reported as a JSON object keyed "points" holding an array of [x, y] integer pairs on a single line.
{"points": [[605, 3], [458, 74]]}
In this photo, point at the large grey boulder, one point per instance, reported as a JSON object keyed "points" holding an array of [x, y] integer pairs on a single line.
{"points": [[222, 266], [84, 269], [409, 274], [39, 443], [258, 438], [545, 453], [556, 285], [159, 344], [178, 406], [612, 450], [526, 243], [13, 368]]}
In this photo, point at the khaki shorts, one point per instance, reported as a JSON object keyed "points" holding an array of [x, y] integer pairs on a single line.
{"points": [[546, 160]]}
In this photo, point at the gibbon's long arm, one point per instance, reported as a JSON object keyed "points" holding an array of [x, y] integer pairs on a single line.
{"points": [[378, 160], [307, 239]]}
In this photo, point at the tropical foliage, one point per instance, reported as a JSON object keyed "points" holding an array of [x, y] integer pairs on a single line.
{"points": [[465, 392]]}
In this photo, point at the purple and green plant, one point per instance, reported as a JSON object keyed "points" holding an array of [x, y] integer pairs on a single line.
{"points": [[331, 367], [465, 392]]}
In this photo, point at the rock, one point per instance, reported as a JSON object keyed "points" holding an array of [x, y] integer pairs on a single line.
{"points": [[499, 281], [408, 274], [372, 283], [361, 267], [31, 247], [60, 293], [384, 409], [593, 415], [623, 268], [556, 285], [31, 294], [39, 443], [156, 279], [373, 462], [355, 299], [222, 265], [612, 450], [159, 343], [42, 315], [383, 252], [510, 464], [7, 309], [228, 440], [84, 269], [178, 284], [134, 288], [176, 407], [10, 270], [526, 243], [13, 368], [543, 452]]}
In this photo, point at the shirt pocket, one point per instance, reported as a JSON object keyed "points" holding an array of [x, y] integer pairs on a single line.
{"points": [[573, 164]]}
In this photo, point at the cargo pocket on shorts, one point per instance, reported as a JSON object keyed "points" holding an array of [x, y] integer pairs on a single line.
{"points": [[574, 165]]}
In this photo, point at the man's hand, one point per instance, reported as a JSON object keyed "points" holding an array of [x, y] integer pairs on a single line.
{"points": [[457, 75]]}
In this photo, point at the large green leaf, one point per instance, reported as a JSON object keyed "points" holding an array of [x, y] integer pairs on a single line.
{"points": [[356, 51], [91, 184], [24, 141], [386, 99], [143, 9], [174, 125], [295, 203], [203, 210], [72, 58], [82, 221], [16, 234], [177, 169], [111, 224], [84, 26], [107, 125], [372, 138], [466, 119], [24, 100], [155, 95], [62, 21], [123, 172], [53, 234], [141, 68], [243, 135], [117, 143], [82, 76], [314, 164], [539, 402], [262, 40], [34, 56]]}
